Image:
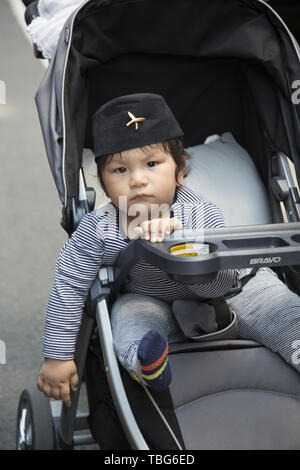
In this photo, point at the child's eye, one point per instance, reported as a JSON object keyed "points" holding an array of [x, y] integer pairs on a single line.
{"points": [[120, 170], [152, 164]]}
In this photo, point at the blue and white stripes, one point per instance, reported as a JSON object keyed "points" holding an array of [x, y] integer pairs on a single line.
{"points": [[98, 241]]}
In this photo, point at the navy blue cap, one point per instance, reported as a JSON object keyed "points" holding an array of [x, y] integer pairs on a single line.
{"points": [[133, 121]]}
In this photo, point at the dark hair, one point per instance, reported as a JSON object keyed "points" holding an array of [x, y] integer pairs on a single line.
{"points": [[174, 147]]}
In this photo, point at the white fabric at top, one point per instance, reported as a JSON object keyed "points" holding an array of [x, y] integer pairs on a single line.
{"points": [[45, 30]]}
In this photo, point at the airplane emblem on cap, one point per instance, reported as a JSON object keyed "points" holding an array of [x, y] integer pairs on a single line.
{"points": [[134, 120]]}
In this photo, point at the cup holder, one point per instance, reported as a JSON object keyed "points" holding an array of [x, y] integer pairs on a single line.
{"points": [[256, 243], [296, 238]]}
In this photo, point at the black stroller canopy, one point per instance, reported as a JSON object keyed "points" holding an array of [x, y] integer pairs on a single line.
{"points": [[226, 65]]}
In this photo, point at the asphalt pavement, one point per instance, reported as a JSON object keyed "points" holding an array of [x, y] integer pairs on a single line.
{"points": [[30, 232]]}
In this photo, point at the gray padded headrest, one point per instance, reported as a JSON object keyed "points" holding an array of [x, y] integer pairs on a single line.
{"points": [[225, 174]]}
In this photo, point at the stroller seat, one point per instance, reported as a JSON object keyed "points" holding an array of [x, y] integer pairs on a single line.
{"points": [[224, 395]]}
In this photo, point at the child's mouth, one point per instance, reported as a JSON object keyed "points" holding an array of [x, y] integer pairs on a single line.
{"points": [[140, 196]]}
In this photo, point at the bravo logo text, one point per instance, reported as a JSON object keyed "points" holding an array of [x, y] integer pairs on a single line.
{"points": [[267, 260]]}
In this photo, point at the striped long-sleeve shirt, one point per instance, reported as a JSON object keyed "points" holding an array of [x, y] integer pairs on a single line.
{"points": [[98, 241]]}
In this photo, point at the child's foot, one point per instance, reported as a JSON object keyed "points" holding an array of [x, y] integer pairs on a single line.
{"points": [[153, 357]]}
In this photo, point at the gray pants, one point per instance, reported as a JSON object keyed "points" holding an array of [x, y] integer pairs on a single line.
{"points": [[132, 316], [267, 312]]}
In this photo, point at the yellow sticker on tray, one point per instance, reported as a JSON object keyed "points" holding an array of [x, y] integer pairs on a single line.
{"points": [[190, 253], [186, 246], [190, 249]]}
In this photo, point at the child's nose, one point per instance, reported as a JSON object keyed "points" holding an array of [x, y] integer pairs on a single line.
{"points": [[138, 178]]}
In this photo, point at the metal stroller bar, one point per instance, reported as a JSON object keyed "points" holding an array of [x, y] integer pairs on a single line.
{"points": [[119, 396], [85, 202], [68, 418], [284, 187]]}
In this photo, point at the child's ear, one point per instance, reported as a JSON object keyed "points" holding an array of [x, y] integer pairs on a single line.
{"points": [[179, 178]]}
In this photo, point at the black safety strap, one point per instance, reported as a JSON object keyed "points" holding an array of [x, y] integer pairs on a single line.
{"points": [[223, 313], [240, 284], [202, 318], [249, 276]]}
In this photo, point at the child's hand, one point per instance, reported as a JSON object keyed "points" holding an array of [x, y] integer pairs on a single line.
{"points": [[156, 229], [55, 379]]}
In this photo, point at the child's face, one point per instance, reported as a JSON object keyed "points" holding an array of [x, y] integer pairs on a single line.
{"points": [[144, 176]]}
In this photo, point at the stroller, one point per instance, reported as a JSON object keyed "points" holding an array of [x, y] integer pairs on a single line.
{"points": [[289, 10], [227, 69]]}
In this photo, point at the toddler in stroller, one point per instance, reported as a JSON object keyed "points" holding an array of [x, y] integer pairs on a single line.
{"points": [[134, 166], [143, 161], [242, 395]]}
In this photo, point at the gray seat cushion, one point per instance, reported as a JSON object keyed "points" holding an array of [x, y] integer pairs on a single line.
{"points": [[225, 174], [236, 399]]}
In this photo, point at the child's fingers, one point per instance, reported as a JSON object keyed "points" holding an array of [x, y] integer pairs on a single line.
{"points": [[52, 391], [145, 226], [139, 230], [43, 386], [46, 389], [168, 226], [155, 230], [164, 229], [177, 225], [39, 384], [74, 382], [55, 393], [65, 393], [159, 227]]}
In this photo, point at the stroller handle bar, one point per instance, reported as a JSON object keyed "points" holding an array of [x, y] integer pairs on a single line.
{"points": [[197, 256]]}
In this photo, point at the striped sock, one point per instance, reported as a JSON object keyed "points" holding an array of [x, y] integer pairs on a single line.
{"points": [[153, 357]]}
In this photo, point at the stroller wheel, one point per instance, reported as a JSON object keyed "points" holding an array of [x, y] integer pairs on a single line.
{"points": [[35, 430]]}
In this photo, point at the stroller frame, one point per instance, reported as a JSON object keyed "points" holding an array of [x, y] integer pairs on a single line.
{"points": [[279, 240], [283, 240], [96, 310]]}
